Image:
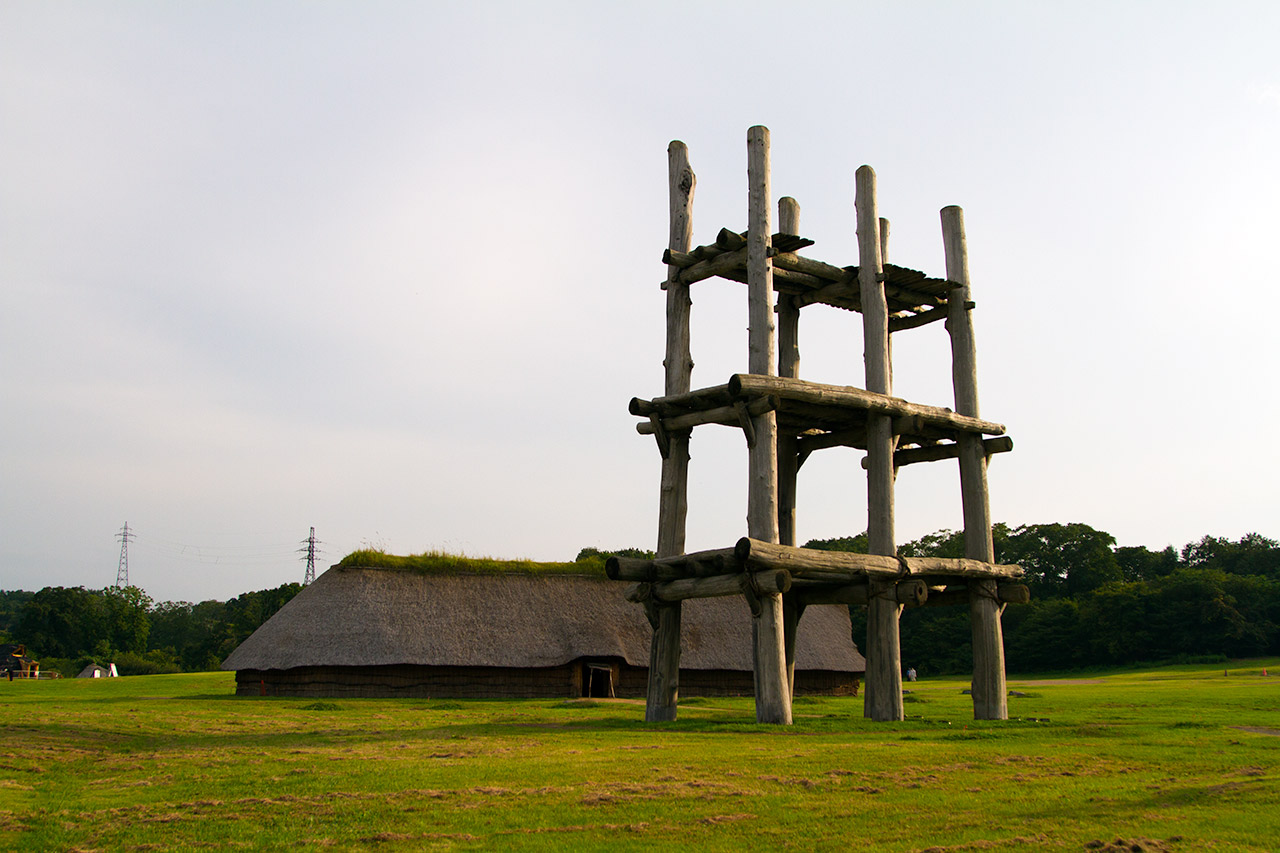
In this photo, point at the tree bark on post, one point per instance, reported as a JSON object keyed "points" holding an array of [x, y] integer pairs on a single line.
{"points": [[990, 693], [788, 457], [788, 367], [664, 652], [773, 698], [884, 667]]}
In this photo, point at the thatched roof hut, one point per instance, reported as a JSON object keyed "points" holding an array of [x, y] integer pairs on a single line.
{"points": [[400, 632]]}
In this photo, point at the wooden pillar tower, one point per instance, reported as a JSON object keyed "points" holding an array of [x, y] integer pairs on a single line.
{"points": [[784, 419]]}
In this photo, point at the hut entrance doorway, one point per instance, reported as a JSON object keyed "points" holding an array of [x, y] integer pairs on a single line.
{"points": [[599, 681]]}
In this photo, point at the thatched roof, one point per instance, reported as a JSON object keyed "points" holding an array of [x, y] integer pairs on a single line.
{"points": [[372, 617]]}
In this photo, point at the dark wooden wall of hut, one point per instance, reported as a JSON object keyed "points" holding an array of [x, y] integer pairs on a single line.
{"points": [[451, 682]]}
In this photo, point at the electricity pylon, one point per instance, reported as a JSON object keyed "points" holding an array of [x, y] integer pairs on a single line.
{"points": [[122, 573], [309, 550]]}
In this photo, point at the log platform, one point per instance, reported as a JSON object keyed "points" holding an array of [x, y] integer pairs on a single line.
{"points": [[817, 416]]}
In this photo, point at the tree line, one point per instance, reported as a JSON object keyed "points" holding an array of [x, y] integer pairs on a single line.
{"points": [[68, 628], [1094, 604]]}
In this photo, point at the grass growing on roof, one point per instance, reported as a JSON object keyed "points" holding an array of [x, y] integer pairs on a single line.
{"points": [[440, 563]]}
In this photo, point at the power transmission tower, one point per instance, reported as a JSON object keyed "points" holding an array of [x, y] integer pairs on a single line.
{"points": [[122, 573], [309, 550]]}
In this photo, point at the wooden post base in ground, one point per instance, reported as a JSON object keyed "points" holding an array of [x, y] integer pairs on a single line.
{"points": [[773, 697], [664, 665]]}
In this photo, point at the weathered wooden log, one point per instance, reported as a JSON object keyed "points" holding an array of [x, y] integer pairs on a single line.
{"points": [[842, 293], [1013, 593], [792, 282], [961, 567], [773, 698], [726, 415], [1006, 593], [912, 592], [699, 564], [720, 265], [843, 566], [936, 452], [730, 241], [884, 666], [907, 296], [990, 700], [757, 555], [749, 385], [680, 260], [681, 403], [792, 610], [663, 689], [673, 497], [915, 321], [825, 273], [788, 455], [771, 581], [837, 438]]}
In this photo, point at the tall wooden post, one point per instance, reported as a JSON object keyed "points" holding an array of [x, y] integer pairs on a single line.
{"points": [[884, 666], [990, 700], [673, 505], [773, 698], [788, 458], [788, 366]]}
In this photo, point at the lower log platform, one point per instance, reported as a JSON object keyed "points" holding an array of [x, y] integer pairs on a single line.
{"points": [[761, 571], [801, 564]]}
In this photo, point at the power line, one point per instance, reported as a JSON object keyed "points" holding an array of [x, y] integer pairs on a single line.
{"points": [[122, 572]]}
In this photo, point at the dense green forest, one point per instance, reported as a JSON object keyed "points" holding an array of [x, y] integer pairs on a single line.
{"points": [[67, 628], [1092, 604]]}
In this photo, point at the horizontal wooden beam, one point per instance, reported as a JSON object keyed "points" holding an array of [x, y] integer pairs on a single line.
{"points": [[752, 385], [717, 266], [836, 566], [678, 404], [1006, 593], [914, 321], [766, 582], [726, 415], [701, 564], [935, 452], [912, 592]]}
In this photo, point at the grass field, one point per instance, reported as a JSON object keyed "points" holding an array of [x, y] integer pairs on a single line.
{"points": [[1180, 758]]}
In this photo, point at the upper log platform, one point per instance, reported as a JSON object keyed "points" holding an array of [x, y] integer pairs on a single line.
{"points": [[914, 298], [817, 415]]}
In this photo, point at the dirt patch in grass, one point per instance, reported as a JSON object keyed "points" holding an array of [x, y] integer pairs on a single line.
{"points": [[1052, 681], [1134, 845], [1258, 730], [984, 844]]}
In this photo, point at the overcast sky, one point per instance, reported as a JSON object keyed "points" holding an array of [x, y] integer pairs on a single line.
{"points": [[391, 268]]}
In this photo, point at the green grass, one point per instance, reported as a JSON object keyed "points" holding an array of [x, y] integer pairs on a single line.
{"points": [[1160, 757], [439, 563]]}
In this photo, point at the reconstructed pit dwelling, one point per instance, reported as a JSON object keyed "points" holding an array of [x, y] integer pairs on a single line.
{"points": [[785, 418]]}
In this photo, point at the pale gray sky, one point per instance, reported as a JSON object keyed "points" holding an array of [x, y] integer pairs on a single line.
{"points": [[391, 269]]}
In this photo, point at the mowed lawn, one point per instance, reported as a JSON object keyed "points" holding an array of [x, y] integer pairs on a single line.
{"points": [[1181, 758]]}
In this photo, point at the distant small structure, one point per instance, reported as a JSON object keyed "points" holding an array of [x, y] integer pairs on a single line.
{"points": [[95, 671], [14, 662]]}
